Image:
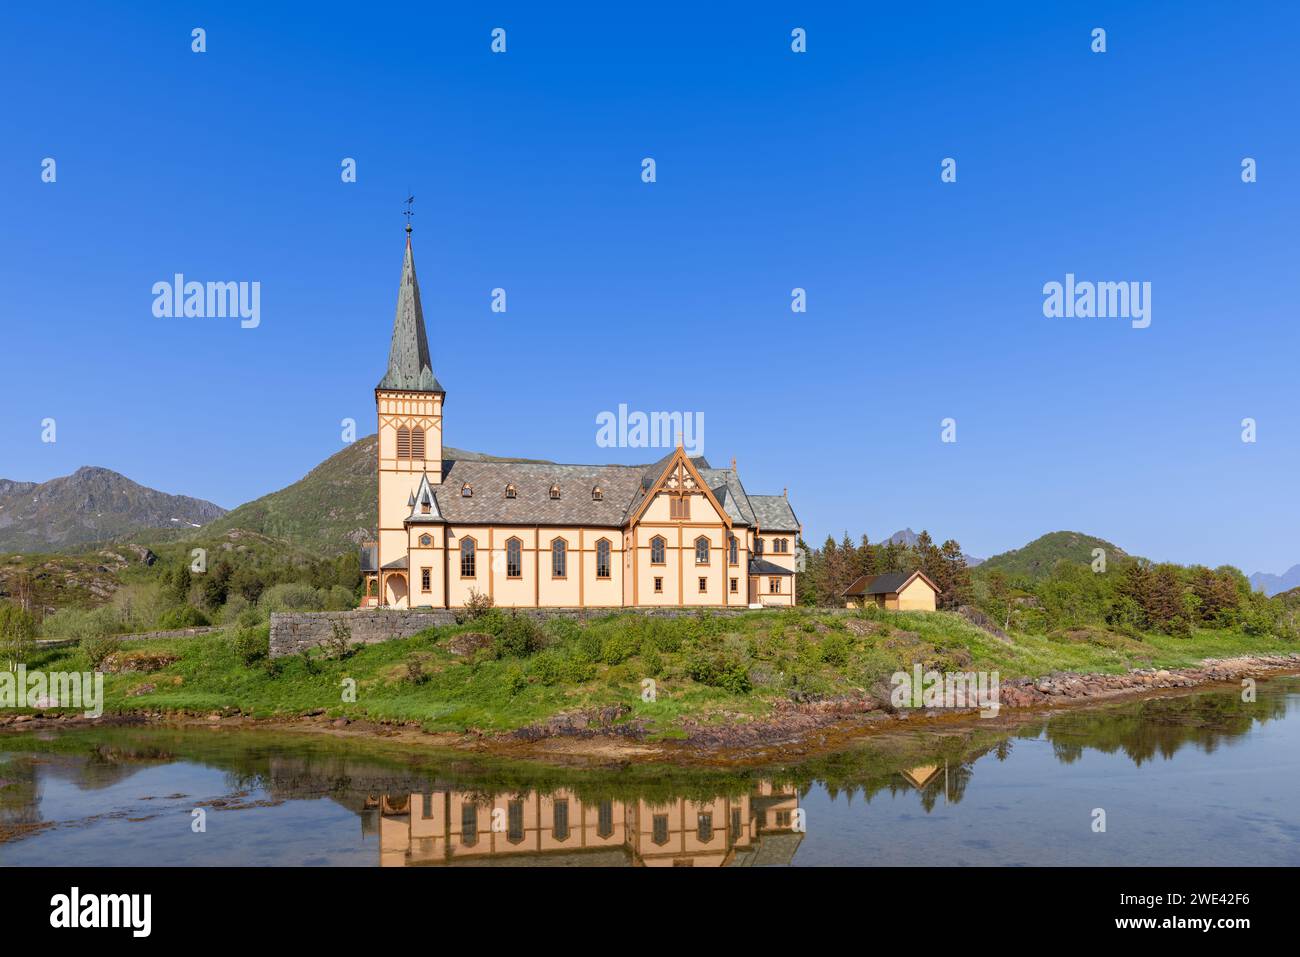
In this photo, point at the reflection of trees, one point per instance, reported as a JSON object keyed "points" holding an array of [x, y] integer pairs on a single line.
{"points": [[19, 792]]}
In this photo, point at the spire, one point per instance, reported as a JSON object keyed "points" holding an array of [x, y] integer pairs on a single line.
{"points": [[409, 368]]}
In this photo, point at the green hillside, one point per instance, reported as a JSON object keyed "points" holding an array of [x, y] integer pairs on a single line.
{"points": [[1036, 560]]}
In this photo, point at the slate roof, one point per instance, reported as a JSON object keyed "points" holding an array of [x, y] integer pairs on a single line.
{"points": [[761, 566], [883, 584], [409, 367], [774, 513]]}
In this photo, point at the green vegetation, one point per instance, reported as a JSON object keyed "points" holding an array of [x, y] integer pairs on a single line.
{"points": [[511, 672]]}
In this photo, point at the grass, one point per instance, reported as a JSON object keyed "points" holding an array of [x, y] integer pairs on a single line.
{"points": [[705, 668]]}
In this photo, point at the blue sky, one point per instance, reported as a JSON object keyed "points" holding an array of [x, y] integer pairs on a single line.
{"points": [[774, 170]]}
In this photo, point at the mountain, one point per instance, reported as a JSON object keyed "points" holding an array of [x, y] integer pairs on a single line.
{"points": [[1273, 584], [89, 506], [907, 538], [1035, 560], [333, 507]]}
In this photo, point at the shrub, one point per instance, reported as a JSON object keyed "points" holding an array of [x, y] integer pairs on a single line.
{"points": [[719, 670], [339, 598], [17, 634], [96, 648], [515, 681], [477, 606], [187, 616], [339, 643], [517, 637], [79, 623], [291, 596], [618, 647], [416, 672], [253, 644], [654, 664], [834, 650]]}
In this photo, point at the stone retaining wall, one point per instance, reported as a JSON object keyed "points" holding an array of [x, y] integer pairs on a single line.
{"points": [[292, 632]]}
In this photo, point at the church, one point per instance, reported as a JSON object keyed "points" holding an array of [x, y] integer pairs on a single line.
{"points": [[454, 526]]}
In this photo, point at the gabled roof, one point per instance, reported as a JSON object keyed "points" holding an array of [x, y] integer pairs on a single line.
{"points": [[887, 584], [409, 366], [532, 504], [424, 495], [774, 513]]}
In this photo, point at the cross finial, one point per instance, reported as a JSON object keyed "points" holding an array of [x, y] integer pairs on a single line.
{"points": [[409, 212]]}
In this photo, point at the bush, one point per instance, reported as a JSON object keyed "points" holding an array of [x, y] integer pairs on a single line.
{"points": [[96, 648], [719, 670], [517, 637], [416, 672], [654, 664], [17, 634], [477, 606], [618, 647], [339, 644], [187, 616], [79, 623], [515, 681], [339, 598], [834, 650], [253, 644], [291, 596]]}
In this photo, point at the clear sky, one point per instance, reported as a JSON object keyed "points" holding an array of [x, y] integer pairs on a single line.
{"points": [[775, 170]]}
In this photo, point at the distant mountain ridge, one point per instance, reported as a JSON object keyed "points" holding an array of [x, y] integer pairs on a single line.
{"points": [[1272, 585], [90, 506], [908, 538]]}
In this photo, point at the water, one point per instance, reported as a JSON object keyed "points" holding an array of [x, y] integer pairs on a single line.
{"points": [[1197, 779]]}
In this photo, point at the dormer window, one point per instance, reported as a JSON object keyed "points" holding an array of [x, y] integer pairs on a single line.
{"points": [[425, 506], [511, 492], [467, 491], [555, 492], [597, 494]]}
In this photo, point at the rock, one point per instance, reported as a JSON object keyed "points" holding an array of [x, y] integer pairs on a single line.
{"points": [[143, 689], [141, 662], [340, 723], [468, 642]]}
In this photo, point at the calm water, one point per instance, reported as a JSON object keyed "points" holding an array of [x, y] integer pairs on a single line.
{"points": [[1193, 780]]}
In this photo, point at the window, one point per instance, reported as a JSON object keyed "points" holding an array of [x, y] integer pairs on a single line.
{"points": [[782, 818], [758, 546], [467, 491], [659, 829], [605, 819], [733, 551], [426, 541], [735, 823], [735, 585], [561, 828], [704, 585], [659, 585], [602, 558], [515, 822], [701, 551], [467, 558], [704, 827], [417, 443], [511, 492], [559, 556], [596, 494], [679, 506], [781, 546], [774, 586], [555, 492], [403, 442], [426, 579], [657, 550], [469, 824], [514, 558]]}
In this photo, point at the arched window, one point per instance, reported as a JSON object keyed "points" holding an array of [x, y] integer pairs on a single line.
{"points": [[657, 550], [510, 492], [602, 558], [733, 550], [467, 565], [555, 491], [559, 558], [403, 442], [417, 443], [469, 824], [597, 494], [467, 491], [701, 551], [758, 546], [426, 541], [514, 558]]}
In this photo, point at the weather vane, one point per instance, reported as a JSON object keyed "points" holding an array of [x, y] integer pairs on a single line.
{"points": [[409, 212]]}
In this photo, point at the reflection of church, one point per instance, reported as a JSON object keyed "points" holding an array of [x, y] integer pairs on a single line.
{"points": [[762, 827]]}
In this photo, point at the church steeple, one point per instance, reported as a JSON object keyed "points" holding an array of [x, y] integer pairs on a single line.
{"points": [[409, 367]]}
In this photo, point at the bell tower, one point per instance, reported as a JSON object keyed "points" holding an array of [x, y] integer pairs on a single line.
{"points": [[408, 400]]}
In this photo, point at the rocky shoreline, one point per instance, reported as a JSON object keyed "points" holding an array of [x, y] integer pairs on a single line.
{"points": [[792, 728]]}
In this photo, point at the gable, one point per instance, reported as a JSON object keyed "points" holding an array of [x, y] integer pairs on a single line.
{"points": [[679, 479]]}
